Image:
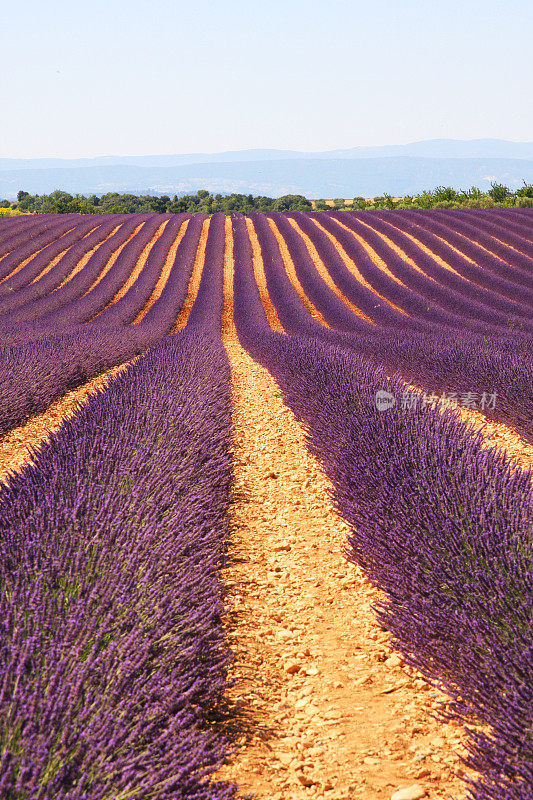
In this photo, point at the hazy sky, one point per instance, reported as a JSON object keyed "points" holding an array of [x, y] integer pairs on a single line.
{"points": [[127, 77]]}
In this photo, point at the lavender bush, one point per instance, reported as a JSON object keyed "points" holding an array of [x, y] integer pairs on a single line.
{"points": [[125, 310], [34, 239], [31, 270], [54, 278], [111, 543], [113, 655]]}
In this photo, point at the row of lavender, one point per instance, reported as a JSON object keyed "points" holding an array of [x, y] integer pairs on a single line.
{"points": [[46, 351], [441, 526], [487, 355], [113, 658], [464, 351]]}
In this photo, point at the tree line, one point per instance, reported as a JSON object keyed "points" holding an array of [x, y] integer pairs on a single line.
{"points": [[59, 202], [446, 197]]}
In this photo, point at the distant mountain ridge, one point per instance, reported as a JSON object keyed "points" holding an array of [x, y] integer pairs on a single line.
{"points": [[366, 171]]}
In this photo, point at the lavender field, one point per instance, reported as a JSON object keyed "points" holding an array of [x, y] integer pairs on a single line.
{"points": [[402, 343]]}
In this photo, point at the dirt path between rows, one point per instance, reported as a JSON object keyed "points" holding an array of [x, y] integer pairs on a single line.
{"points": [[352, 266], [165, 273], [330, 711], [32, 256], [16, 447], [137, 269], [495, 434]]}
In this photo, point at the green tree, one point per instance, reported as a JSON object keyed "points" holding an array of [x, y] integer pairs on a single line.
{"points": [[444, 194], [498, 192], [424, 200], [474, 193], [292, 202], [525, 191]]}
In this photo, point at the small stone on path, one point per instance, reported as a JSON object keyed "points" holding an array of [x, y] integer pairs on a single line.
{"points": [[414, 792]]}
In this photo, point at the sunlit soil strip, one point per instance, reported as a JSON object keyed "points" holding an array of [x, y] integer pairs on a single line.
{"points": [[398, 250], [50, 266], [323, 708], [165, 272], [324, 274], [430, 253], [371, 252], [194, 283], [291, 272], [113, 258], [30, 258], [476, 244], [506, 244], [495, 434], [452, 247], [58, 258], [260, 279], [228, 327], [83, 261], [137, 269], [502, 436], [352, 266], [17, 446]]}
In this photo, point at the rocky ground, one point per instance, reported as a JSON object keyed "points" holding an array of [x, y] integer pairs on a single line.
{"points": [[327, 708]]}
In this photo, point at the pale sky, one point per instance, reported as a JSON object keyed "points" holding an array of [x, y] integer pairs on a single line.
{"points": [[135, 77]]}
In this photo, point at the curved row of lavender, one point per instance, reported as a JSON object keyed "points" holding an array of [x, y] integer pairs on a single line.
{"points": [[27, 274], [41, 359], [492, 254], [497, 361], [113, 657], [48, 280], [451, 307], [436, 350], [83, 309], [125, 310], [442, 527], [419, 296], [442, 285], [30, 237], [498, 239], [78, 285], [495, 277]]}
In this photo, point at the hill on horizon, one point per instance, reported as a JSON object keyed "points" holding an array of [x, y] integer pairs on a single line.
{"points": [[358, 171]]}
